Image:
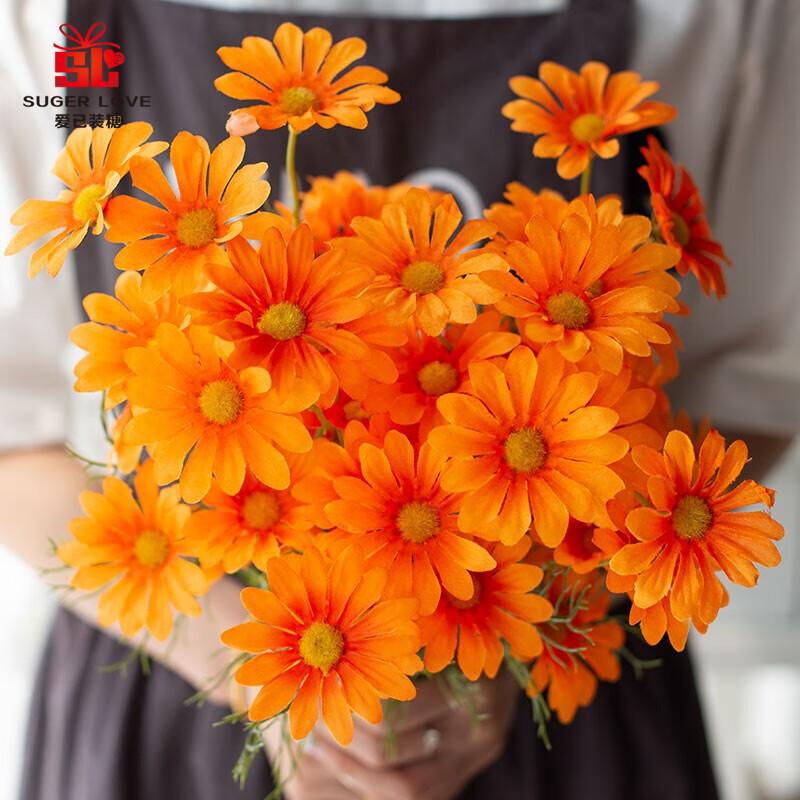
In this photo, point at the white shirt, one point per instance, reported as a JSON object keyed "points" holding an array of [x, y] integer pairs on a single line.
{"points": [[730, 66]]}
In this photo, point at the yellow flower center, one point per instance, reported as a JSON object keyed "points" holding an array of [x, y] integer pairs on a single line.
{"points": [[437, 378], [297, 100], [221, 401], [261, 510], [588, 127], [321, 646], [84, 207], [525, 450], [680, 230], [283, 321], [691, 517], [151, 548], [423, 277], [569, 310], [477, 591], [418, 522], [197, 228]]}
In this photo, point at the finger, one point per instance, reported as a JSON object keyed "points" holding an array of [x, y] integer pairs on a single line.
{"points": [[398, 783], [380, 748], [430, 704], [468, 750], [314, 781]]}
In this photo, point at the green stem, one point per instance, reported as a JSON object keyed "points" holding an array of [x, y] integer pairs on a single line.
{"points": [[291, 148], [586, 177]]}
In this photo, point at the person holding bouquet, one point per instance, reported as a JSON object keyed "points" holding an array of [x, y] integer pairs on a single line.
{"points": [[95, 735]]}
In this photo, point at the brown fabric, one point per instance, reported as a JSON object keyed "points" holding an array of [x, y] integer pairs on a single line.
{"points": [[96, 736]]}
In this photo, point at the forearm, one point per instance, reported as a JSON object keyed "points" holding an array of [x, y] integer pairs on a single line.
{"points": [[38, 496], [193, 650]]}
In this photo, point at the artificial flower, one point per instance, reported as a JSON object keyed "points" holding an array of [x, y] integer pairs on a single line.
{"points": [[681, 218], [579, 654], [523, 204], [186, 396], [576, 116], [127, 456], [138, 544], [325, 637], [422, 269], [331, 204], [602, 289], [283, 309], [430, 366], [577, 549], [90, 165], [359, 378], [694, 526], [254, 525], [294, 81], [333, 460], [526, 446], [501, 609], [117, 324], [405, 522], [171, 244]]}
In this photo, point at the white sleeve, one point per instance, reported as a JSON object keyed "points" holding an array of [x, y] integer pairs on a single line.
{"points": [[732, 69], [35, 316]]}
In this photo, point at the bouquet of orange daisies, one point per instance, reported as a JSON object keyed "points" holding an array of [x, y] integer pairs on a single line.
{"points": [[425, 443]]}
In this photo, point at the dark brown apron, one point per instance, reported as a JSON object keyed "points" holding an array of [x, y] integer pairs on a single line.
{"points": [[99, 736]]}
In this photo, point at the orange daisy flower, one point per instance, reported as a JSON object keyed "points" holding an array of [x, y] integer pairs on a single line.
{"points": [[90, 165], [577, 116], [127, 455], [430, 366], [611, 538], [527, 447], [358, 379], [577, 549], [576, 656], [323, 632], [405, 523], [501, 608], [681, 218], [138, 543], [695, 527], [284, 309], [172, 243], [662, 366], [252, 526], [294, 81], [634, 404], [117, 324], [603, 289], [512, 218], [420, 264], [658, 619], [333, 460], [331, 204], [523, 204], [185, 396]]}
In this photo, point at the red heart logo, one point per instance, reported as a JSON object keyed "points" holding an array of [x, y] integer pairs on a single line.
{"points": [[113, 58]]}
